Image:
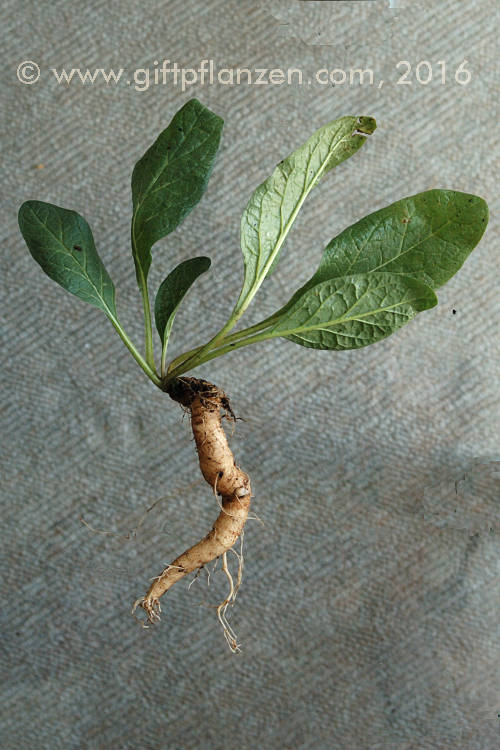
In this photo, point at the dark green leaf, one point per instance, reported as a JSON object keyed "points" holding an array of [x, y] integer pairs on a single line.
{"points": [[275, 204], [353, 311], [428, 236], [61, 242], [169, 180], [172, 291]]}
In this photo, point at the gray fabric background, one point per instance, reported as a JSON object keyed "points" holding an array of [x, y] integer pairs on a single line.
{"points": [[368, 616]]}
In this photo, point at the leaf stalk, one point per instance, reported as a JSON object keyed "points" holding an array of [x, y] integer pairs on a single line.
{"points": [[150, 371]]}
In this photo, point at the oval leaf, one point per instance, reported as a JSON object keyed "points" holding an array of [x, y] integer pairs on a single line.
{"points": [[172, 291], [428, 236], [169, 180], [275, 204], [353, 311], [61, 241]]}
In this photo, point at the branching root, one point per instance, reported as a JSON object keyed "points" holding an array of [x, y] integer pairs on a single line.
{"points": [[206, 404]]}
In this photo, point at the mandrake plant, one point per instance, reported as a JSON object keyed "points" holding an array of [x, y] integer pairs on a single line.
{"points": [[373, 277]]}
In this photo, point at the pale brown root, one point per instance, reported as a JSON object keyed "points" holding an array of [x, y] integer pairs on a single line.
{"points": [[229, 633], [230, 599], [205, 402]]}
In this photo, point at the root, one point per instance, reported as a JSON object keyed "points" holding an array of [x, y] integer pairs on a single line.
{"points": [[132, 533], [205, 402], [229, 633]]}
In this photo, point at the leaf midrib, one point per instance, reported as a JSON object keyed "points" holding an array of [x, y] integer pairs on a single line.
{"points": [[412, 247], [304, 193], [149, 190], [326, 326], [168, 161], [83, 273], [395, 257]]}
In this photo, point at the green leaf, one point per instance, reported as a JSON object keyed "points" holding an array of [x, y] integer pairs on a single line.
{"points": [[353, 311], [274, 205], [61, 242], [172, 291], [169, 180], [428, 236]]}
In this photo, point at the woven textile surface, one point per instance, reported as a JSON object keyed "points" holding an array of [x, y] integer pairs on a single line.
{"points": [[368, 616]]}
